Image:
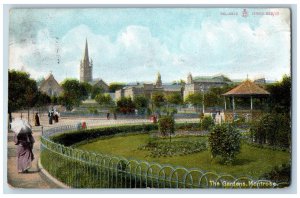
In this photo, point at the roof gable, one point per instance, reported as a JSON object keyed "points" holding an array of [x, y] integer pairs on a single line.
{"points": [[247, 88], [50, 79]]}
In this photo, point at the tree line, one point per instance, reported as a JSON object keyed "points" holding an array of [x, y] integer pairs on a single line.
{"points": [[24, 94]]}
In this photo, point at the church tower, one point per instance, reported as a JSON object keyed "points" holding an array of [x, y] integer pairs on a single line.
{"points": [[86, 66], [158, 83], [190, 79]]}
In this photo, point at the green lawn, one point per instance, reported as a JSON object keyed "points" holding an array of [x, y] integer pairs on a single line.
{"points": [[252, 161]]}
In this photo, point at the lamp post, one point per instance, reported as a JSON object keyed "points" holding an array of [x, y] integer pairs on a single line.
{"points": [[202, 90]]}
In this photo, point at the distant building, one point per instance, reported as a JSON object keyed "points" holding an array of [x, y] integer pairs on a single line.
{"points": [[100, 83], [199, 83], [119, 94], [260, 81], [147, 89], [86, 66], [50, 86], [175, 88]]}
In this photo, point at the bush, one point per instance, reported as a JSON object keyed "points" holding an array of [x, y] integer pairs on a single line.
{"points": [[104, 99], [279, 174], [224, 140], [93, 110], [207, 123], [166, 125], [272, 129]]}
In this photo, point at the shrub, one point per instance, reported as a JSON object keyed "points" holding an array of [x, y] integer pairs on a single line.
{"points": [[93, 110], [272, 129], [279, 174], [166, 125], [207, 122], [224, 140]]}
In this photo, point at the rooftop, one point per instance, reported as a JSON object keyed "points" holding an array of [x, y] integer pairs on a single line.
{"points": [[247, 88], [219, 78]]}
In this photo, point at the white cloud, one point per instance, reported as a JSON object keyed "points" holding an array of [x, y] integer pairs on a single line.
{"points": [[228, 47], [235, 48]]}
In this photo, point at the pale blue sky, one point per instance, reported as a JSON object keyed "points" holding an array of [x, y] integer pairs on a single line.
{"points": [[134, 44]]}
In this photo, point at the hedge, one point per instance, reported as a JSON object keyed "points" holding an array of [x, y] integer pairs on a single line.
{"points": [[70, 138]]}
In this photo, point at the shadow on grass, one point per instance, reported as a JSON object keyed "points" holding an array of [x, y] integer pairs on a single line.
{"points": [[239, 162], [236, 162]]}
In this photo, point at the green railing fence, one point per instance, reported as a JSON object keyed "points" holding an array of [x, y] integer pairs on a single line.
{"points": [[81, 169]]}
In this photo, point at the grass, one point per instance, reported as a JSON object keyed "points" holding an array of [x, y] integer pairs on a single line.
{"points": [[251, 161]]}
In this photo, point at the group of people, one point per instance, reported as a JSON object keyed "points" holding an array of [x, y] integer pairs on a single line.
{"points": [[24, 140], [53, 115]]}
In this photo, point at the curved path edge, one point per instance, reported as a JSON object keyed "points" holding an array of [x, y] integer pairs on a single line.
{"points": [[46, 175]]}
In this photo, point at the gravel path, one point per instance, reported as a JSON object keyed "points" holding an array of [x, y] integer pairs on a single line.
{"points": [[34, 179]]}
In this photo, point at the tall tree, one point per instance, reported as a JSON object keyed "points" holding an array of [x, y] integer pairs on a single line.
{"points": [[87, 88], [43, 99], [158, 100], [141, 103], [195, 99], [280, 95], [174, 99], [74, 92], [104, 99], [22, 91], [125, 105], [114, 86], [95, 90]]}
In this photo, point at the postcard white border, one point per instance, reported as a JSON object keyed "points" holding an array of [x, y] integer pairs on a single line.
{"points": [[292, 189]]}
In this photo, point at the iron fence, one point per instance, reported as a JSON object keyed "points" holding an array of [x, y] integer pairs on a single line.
{"points": [[122, 116], [81, 169]]}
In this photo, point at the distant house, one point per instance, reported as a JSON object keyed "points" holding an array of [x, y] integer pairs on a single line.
{"points": [[50, 86], [261, 81], [175, 88], [100, 83], [199, 83]]}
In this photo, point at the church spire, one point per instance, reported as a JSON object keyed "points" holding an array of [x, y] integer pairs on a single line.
{"points": [[86, 66], [86, 51]]}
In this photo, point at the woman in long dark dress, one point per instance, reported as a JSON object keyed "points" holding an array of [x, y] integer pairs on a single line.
{"points": [[37, 120], [24, 142], [50, 116]]}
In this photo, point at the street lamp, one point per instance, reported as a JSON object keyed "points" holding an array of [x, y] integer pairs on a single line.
{"points": [[202, 90]]}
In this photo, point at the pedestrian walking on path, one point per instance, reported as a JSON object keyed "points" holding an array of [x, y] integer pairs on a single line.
{"points": [[37, 120], [24, 140], [50, 115]]}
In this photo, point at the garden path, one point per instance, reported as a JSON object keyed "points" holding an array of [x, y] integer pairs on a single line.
{"points": [[34, 179]]}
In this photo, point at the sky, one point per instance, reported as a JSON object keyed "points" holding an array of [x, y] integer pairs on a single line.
{"points": [[134, 44]]}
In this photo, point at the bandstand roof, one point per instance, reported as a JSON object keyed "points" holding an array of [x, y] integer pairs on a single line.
{"points": [[247, 88]]}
